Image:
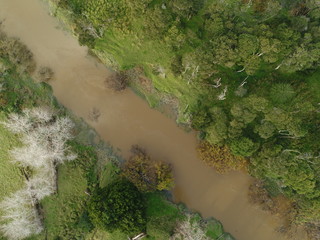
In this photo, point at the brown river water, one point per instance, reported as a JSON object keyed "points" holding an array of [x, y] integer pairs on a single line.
{"points": [[126, 119]]}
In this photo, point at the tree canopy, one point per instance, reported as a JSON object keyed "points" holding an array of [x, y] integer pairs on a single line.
{"points": [[118, 206]]}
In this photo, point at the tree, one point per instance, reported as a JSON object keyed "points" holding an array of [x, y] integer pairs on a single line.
{"points": [[44, 137], [281, 93], [147, 175], [243, 147], [20, 219], [181, 7], [118, 206], [217, 132], [220, 157], [189, 229], [201, 117], [266, 129], [243, 113]]}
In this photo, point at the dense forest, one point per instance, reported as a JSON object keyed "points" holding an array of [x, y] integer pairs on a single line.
{"points": [[244, 73]]}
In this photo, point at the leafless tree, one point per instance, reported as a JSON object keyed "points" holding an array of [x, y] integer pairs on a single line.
{"points": [[189, 229], [44, 138], [20, 218]]}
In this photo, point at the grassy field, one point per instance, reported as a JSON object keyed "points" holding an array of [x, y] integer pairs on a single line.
{"points": [[10, 175]]}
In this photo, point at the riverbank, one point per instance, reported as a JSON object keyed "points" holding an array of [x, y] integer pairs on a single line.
{"points": [[125, 120]]}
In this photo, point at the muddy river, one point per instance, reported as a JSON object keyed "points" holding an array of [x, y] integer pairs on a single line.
{"points": [[126, 119]]}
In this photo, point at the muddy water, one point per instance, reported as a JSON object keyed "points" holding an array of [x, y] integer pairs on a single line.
{"points": [[126, 119]]}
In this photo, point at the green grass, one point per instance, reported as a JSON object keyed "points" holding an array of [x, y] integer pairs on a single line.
{"points": [[10, 175], [129, 52], [162, 216], [98, 234], [65, 211], [21, 91], [109, 173], [214, 229]]}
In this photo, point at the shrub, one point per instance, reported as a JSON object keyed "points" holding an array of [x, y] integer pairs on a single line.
{"points": [[118, 206], [45, 74], [17, 53], [118, 81]]}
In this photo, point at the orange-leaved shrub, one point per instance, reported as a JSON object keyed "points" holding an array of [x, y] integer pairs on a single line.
{"points": [[220, 157]]}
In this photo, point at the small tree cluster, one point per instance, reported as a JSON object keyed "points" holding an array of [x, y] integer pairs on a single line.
{"points": [[44, 139], [220, 157], [146, 174]]}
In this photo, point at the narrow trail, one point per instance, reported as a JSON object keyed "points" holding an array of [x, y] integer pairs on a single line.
{"points": [[126, 120]]}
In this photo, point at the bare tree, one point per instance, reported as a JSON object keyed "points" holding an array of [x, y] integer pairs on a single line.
{"points": [[20, 218], [44, 137], [189, 229], [41, 184]]}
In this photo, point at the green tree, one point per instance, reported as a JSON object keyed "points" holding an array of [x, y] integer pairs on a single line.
{"points": [[266, 129], [281, 93], [217, 132], [181, 7], [118, 206], [243, 147], [242, 113]]}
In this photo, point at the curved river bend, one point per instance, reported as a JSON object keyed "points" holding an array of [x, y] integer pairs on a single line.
{"points": [[126, 119]]}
